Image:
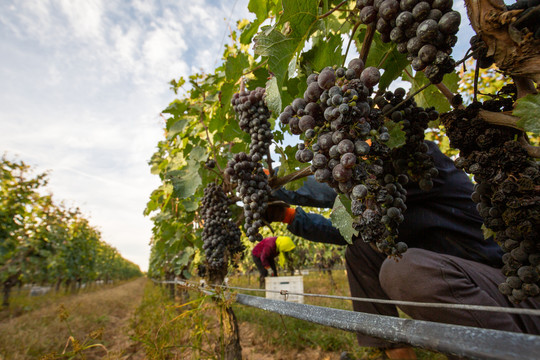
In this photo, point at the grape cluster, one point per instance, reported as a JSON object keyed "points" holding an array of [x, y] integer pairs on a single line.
{"points": [[253, 115], [424, 30], [506, 192], [345, 141], [412, 158], [221, 236], [246, 169]]}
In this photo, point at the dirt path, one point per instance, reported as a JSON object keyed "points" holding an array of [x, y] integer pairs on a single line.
{"points": [[100, 317]]}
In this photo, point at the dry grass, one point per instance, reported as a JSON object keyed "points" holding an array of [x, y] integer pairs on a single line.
{"points": [[99, 317]]}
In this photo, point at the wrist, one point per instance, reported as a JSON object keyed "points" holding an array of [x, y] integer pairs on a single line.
{"points": [[289, 215]]}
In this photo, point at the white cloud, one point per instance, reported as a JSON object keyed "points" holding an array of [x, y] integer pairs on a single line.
{"points": [[83, 84]]}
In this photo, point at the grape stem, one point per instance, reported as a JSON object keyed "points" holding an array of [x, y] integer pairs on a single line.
{"points": [[407, 99], [533, 151], [350, 41], [524, 86], [366, 44], [269, 162], [334, 9], [447, 94], [505, 119], [279, 182], [201, 119]]}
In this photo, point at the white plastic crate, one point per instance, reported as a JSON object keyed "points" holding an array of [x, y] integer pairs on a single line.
{"points": [[290, 283]]}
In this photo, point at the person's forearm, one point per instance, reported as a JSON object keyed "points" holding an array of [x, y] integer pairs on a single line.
{"points": [[315, 227]]}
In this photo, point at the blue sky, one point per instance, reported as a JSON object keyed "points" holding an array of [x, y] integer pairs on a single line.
{"points": [[82, 87]]}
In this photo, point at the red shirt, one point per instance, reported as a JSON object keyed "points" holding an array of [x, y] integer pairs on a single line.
{"points": [[266, 250]]}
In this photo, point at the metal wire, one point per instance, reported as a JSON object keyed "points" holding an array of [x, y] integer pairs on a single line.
{"points": [[519, 311]]}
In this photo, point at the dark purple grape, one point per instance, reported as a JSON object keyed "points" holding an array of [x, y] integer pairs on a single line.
{"points": [[368, 15], [348, 160], [370, 76], [449, 23], [421, 11], [427, 30], [427, 53], [357, 65], [341, 174], [405, 20], [414, 45], [345, 146], [442, 5], [389, 9], [306, 122], [361, 147], [319, 161], [408, 5], [323, 175], [327, 79], [313, 92]]}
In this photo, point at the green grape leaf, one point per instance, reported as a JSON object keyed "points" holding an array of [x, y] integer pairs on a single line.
{"points": [[431, 96], [282, 41], [186, 181], [288, 164], [325, 52], [273, 99], [397, 135], [487, 232], [235, 65], [176, 108], [342, 219], [528, 109], [177, 128]]}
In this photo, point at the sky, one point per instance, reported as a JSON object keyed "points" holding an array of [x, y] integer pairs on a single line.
{"points": [[82, 87], [82, 84]]}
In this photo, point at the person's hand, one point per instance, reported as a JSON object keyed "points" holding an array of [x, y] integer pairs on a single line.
{"points": [[275, 211]]}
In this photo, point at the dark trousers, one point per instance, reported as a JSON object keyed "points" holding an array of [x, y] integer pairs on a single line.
{"points": [[260, 267], [426, 276]]}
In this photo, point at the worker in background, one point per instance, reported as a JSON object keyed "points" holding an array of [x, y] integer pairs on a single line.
{"points": [[266, 250]]}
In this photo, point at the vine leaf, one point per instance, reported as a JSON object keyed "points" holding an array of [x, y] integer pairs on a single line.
{"points": [[342, 219], [397, 135], [273, 99], [528, 110], [185, 181], [325, 52], [431, 96], [283, 40], [261, 8], [289, 165]]}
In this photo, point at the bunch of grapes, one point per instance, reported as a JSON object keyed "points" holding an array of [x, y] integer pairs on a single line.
{"points": [[246, 169], [221, 236], [412, 158], [507, 192], [424, 30], [345, 141]]}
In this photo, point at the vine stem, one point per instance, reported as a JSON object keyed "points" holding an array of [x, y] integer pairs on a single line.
{"points": [[505, 119], [366, 45], [350, 41], [334, 9], [447, 94], [524, 86], [209, 141], [279, 182], [407, 99], [533, 151], [255, 68], [476, 75]]}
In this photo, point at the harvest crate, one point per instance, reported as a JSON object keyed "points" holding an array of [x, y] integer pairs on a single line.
{"points": [[290, 283]]}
